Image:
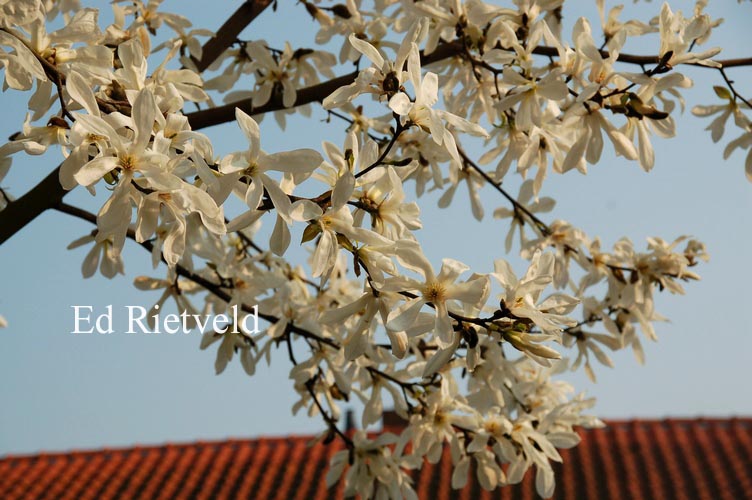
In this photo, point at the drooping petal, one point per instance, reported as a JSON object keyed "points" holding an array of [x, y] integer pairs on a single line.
{"points": [[81, 92], [298, 161], [280, 238], [404, 316], [95, 170], [343, 189], [367, 50], [254, 193], [440, 359], [279, 198], [252, 132], [144, 113]]}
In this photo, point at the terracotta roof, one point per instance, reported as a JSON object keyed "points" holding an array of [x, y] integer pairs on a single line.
{"points": [[641, 459]]}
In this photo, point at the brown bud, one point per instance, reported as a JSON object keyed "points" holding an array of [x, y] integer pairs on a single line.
{"points": [[57, 121], [391, 83], [340, 10]]}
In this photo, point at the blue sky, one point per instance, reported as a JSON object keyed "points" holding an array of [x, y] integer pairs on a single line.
{"points": [[63, 391]]}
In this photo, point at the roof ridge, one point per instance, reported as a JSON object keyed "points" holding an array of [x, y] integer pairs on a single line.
{"points": [[164, 445], [312, 438]]}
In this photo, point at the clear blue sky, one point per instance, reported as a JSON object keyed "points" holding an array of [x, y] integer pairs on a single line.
{"points": [[63, 391]]}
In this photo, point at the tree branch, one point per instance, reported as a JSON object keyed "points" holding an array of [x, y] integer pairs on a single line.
{"points": [[49, 192], [229, 31], [19, 213], [315, 93]]}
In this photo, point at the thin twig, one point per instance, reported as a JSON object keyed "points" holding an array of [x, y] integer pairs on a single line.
{"points": [[730, 84]]}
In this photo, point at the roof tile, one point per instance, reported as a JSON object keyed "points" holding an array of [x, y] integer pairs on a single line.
{"points": [[702, 459]]}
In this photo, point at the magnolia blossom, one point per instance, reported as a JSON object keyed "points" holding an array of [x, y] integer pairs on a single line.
{"points": [[439, 290], [462, 92], [383, 79], [420, 112], [373, 464], [101, 255], [679, 33], [253, 164]]}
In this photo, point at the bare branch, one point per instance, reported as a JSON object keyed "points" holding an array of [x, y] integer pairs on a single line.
{"points": [[315, 93], [28, 207], [229, 31], [49, 192]]}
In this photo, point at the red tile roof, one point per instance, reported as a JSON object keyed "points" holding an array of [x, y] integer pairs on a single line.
{"points": [[641, 459]]}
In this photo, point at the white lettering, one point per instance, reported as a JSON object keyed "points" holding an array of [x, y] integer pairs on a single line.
{"points": [[108, 318], [202, 326], [255, 317], [171, 319], [139, 320], [220, 318], [155, 318], [78, 319]]}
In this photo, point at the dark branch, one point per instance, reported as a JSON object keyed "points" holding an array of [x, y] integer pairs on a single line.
{"points": [[315, 93], [229, 31], [49, 192], [19, 213]]}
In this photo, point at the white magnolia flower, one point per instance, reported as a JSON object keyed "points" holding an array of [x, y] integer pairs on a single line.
{"points": [[440, 290], [420, 112], [521, 296], [678, 34], [253, 165], [374, 471], [383, 79], [101, 255], [331, 224]]}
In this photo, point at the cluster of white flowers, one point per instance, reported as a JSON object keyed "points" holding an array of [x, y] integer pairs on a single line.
{"points": [[468, 358]]}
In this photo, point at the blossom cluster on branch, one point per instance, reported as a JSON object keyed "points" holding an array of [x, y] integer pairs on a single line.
{"points": [[467, 357]]}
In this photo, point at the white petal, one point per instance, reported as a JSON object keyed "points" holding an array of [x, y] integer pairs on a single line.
{"points": [[280, 238], [81, 92], [367, 50], [400, 104], [95, 170], [404, 316], [296, 161], [440, 359], [251, 130], [144, 113], [279, 198], [343, 189]]}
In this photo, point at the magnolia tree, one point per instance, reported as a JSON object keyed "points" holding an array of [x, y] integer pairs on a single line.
{"points": [[467, 357]]}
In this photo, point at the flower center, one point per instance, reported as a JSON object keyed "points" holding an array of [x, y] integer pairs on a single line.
{"points": [[439, 418], [434, 292], [494, 427], [95, 138], [369, 205], [50, 55], [127, 162], [251, 169]]}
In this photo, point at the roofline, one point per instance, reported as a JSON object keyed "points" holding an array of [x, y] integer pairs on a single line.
{"points": [[610, 424]]}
